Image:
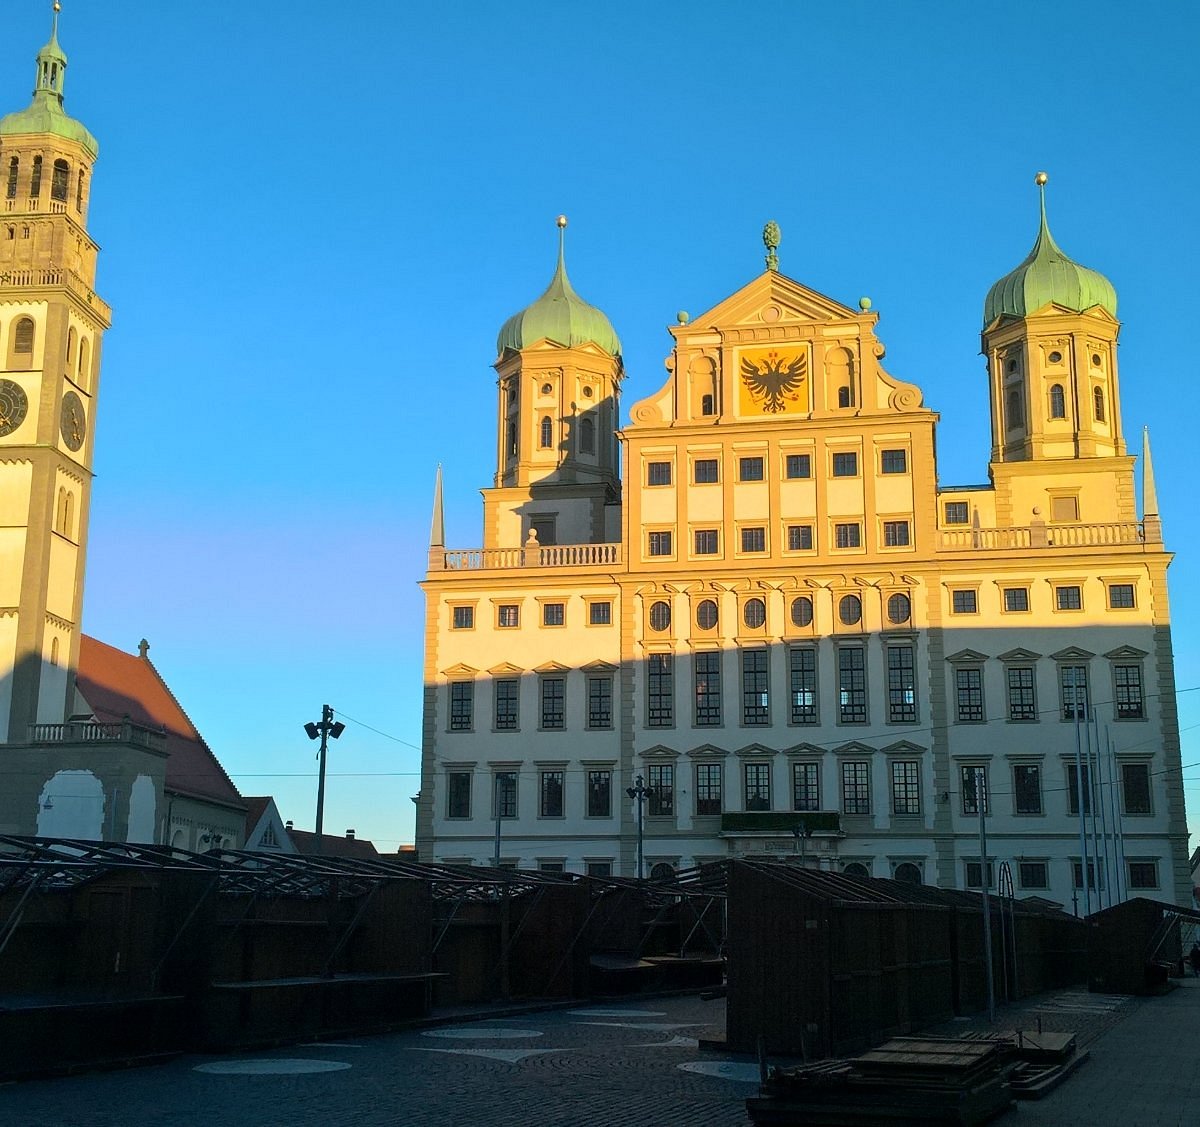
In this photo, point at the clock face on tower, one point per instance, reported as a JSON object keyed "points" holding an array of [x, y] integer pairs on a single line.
{"points": [[72, 422], [14, 405]]}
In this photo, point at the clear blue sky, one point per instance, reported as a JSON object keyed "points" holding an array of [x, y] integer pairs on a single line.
{"points": [[315, 217]]}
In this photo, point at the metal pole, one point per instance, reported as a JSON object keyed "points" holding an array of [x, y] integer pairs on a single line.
{"points": [[1093, 802], [1108, 873], [326, 718], [496, 804], [641, 798], [980, 794], [1118, 824], [1083, 881]]}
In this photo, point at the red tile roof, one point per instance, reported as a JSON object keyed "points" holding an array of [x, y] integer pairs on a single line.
{"points": [[117, 685], [256, 807], [331, 846]]}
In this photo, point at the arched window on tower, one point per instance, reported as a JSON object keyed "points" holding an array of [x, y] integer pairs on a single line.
{"points": [[20, 348], [62, 175], [587, 437], [14, 168], [79, 191], [1016, 417], [1098, 402], [64, 517], [512, 440], [85, 369], [70, 344], [54, 651], [546, 433], [35, 183], [1058, 402]]}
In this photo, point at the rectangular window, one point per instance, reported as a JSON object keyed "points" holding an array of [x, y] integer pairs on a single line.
{"points": [[553, 701], [659, 543], [704, 471], [550, 803], [758, 786], [1016, 599], [706, 541], [504, 792], [800, 537], [974, 874], [1135, 788], [1095, 878], [464, 618], [1064, 509], [1027, 788], [708, 788], [508, 705], [458, 794], [754, 539], [660, 691], [756, 700], [658, 473], [1143, 874], [902, 685], [553, 614], [802, 672], [856, 788], [551, 866], [1120, 596], [895, 533], [968, 691], [1072, 680], [847, 535], [462, 705], [660, 778], [600, 614], [599, 794], [806, 786], [600, 696], [906, 787], [1068, 598], [706, 665], [750, 469], [1074, 778], [894, 461], [1127, 680], [508, 615], [798, 465], [974, 782], [845, 464], [1022, 704], [964, 602], [958, 512], [1033, 874], [852, 685], [599, 868]]}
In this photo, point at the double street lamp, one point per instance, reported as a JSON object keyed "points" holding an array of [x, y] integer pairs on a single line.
{"points": [[639, 794], [326, 728]]}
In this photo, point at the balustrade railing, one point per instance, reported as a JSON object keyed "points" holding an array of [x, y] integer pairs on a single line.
{"points": [[91, 731], [1042, 536], [552, 555], [55, 276]]}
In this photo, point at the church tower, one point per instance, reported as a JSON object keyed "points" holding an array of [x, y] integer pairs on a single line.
{"points": [[557, 461], [1050, 337], [51, 324]]}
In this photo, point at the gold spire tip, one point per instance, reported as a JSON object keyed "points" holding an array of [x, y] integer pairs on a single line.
{"points": [[561, 221], [1040, 179]]}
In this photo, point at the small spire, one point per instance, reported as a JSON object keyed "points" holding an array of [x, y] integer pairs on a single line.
{"points": [[1149, 493], [143, 645], [51, 63], [770, 239], [437, 531]]}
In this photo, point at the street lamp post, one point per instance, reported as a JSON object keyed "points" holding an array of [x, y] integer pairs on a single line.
{"points": [[326, 728], [802, 832], [639, 794]]}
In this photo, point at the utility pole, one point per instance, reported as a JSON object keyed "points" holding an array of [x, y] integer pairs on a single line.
{"points": [[980, 800], [326, 728], [639, 794]]}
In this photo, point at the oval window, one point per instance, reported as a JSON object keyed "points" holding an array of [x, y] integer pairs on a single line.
{"points": [[587, 393], [660, 616], [850, 610], [754, 614], [899, 608], [802, 611], [1096, 361], [547, 389], [706, 614], [1055, 358]]}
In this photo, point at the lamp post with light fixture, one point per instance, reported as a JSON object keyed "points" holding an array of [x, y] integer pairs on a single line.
{"points": [[326, 728]]}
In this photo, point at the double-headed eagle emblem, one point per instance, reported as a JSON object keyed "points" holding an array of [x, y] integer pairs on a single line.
{"points": [[775, 380]]}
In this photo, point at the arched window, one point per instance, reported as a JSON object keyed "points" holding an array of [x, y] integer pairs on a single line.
{"points": [[79, 191], [35, 183], [754, 613], [11, 231], [53, 651], [802, 611], [850, 610], [62, 175], [662, 871], [856, 869], [546, 436], [706, 405], [1016, 417], [85, 370], [907, 873], [14, 167], [1058, 402], [587, 437], [63, 512], [20, 352], [1098, 402], [70, 345], [512, 440]]}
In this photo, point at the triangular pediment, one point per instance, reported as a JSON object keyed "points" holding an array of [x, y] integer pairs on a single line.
{"points": [[964, 657], [505, 667], [771, 299], [903, 747], [707, 751], [460, 670], [1072, 653], [1019, 654], [854, 747], [599, 666], [804, 749], [552, 667], [1130, 653], [660, 751], [754, 749]]}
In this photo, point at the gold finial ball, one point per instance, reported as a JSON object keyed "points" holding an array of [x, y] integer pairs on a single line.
{"points": [[57, 6], [1040, 179], [561, 221]]}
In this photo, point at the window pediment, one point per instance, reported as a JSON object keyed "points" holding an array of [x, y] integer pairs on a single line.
{"points": [[1072, 653], [659, 751], [1019, 655], [967, 657], [854, 747], [505, 667], [552, 667], [599, 666], [903, 747], [707, 751], [755, 749], [460, 670], [804, 749], [1128, 652]]}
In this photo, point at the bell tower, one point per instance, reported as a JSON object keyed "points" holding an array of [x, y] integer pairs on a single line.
{"points": [[51, 325]]}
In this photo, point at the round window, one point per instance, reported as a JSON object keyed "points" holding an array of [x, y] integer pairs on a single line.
{"points": [[662, 871], [802, 611], [660, 616], [856, 869], [587, 393], [1055, 358], [754, 614], [706, 614], [850, 610], [547, 389], [1096, 361], [899, 609], [907, 873]]}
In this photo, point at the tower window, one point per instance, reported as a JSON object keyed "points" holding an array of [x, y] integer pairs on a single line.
{"points": [[84, 366], [706, 405], [79, 191], [587, 437], [512, 440], [846, 396], [23, 336], [546, 433], [1058, 402], [1055, 358], [70, 345], [1098, 402], [35, 184], [14, 167], [11, 232], [58, 186], [1016, 417]]}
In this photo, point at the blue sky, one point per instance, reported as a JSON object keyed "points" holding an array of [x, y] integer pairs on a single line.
{"points": [[314, 220]]}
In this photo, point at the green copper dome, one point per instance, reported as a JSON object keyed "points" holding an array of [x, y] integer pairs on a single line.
{"points": [[45, 113], [1047, 275], [559, 315]]}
